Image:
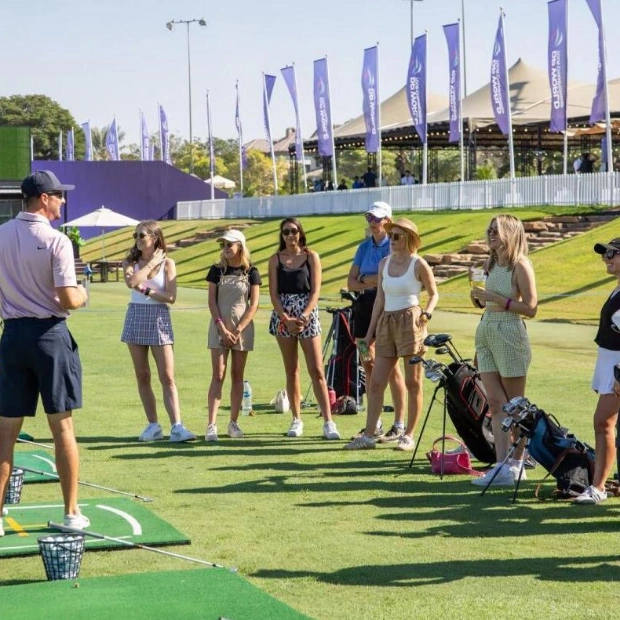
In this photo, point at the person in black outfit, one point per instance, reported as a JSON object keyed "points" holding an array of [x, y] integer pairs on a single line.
{"points": [[369, 178]]}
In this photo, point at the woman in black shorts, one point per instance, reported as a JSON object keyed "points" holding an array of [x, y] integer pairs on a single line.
{"points": [[294, 286]]}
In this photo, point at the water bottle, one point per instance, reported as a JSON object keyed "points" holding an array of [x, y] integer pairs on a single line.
{"points": [[246, 403]]}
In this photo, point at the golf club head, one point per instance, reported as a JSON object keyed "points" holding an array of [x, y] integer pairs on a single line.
{"points": [[437, 340], [442, 351], [415, 360]]}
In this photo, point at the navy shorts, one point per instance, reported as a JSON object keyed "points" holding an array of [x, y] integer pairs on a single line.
{"points": [[38, 356]]}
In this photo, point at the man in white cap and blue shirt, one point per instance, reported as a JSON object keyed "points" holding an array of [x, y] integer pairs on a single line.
{"points": [[38, 355]]}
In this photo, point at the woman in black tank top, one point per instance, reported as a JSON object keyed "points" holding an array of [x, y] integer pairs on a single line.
{"points": [[294, 286]]}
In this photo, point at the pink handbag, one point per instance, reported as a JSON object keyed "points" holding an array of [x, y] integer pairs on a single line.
{"points": [[456, 461]]}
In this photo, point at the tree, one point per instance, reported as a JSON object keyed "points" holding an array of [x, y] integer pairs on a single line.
{"points": [[44, 116]]}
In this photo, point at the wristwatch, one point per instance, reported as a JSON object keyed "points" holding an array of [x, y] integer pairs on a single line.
{"points": [[428, 315]]}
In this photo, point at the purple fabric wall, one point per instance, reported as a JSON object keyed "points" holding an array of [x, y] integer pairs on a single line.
{"points": [[142, 190]]}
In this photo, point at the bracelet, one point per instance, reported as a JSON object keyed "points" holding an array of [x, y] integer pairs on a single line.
{"points": [[147, 291], [508, 302], [218, 320]]}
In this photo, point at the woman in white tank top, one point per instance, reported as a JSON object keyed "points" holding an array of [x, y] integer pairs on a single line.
{"points": [[398, 324]]}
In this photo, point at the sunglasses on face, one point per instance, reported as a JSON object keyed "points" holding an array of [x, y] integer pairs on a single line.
{"points": [[371, 219], [58, 194], [609, 254], [289, 231], [141, 235], [396, 236], [226, 244], [492, 230]]}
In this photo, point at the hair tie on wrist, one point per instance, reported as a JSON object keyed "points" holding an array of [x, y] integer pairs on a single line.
{"points": [[218, 320], [508, 302]]}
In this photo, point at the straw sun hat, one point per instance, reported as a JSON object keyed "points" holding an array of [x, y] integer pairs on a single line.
{"points": [[408, 226]]}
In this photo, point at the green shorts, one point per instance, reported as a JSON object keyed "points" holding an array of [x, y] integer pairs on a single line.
{"points": [[502, 344]]}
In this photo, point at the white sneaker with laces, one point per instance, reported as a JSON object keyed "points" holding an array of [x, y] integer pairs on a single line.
{"points": [[296, 429], [234, 431], [330, 431], [211, 434], [178, 434], [152, 432], [361, 443], [79, 521], [592, 495], [504, 478]]}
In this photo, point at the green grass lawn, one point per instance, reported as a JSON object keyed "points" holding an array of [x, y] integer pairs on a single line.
{"points": [[336, 534]]}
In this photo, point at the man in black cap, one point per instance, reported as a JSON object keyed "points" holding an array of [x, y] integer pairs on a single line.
{"points": [[38, 355]]}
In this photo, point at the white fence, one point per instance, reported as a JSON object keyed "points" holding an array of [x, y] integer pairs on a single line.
{"points": [[572, 189]]}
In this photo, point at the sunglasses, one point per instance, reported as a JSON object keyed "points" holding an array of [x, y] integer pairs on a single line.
{"points": [[57, 194], [290, 231], [492, 229], [609, 254], [227, 244], [371, 219], [396, 236], [141, 235]]}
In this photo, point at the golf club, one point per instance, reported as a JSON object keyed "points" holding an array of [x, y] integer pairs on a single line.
{"points": [[34, 443], [89, 484], [128, 543]]}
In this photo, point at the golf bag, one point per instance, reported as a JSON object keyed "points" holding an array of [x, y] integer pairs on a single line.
{"points": [[469, 411], [343, 372]]}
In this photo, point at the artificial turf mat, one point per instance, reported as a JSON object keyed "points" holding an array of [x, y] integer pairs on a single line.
{"points": [[111, 516], [200, 593], [41, 460]]}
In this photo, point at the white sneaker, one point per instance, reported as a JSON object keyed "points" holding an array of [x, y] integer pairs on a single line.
{"points": [[405, 443], [211, 434], [504, 478], [5, 512], [234, 431], [178, 433], [296, 429], [330, 431], [592, 495], [79, 521], [152, 432], [1, 528], [514, 470], [361, 443]]}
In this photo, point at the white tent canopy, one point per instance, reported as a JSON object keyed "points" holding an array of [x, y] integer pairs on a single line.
{"points": [[221, 182]]}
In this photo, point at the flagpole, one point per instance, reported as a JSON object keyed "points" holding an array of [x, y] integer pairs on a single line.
{"points": [[609, 145], [425, 145], [331, 129], [565, 149], [509, 110], [211, 166], [380, 163], [460, 112], [240, 138], [273, 155]]}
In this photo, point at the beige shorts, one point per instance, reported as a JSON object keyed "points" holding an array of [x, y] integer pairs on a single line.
{"points": [[397, 334]]}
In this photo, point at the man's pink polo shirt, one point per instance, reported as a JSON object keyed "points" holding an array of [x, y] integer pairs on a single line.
{"points": [[34, 260]]}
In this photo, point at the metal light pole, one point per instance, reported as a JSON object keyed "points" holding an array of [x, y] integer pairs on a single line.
{"points": [[411, 15], [170, 25]]}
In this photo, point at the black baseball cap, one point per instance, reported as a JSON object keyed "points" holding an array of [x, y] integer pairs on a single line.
{"points": [[42, 182], [614, 244]]}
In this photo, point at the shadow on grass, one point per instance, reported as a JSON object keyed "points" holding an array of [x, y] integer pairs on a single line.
{"points": [[603, 569]]}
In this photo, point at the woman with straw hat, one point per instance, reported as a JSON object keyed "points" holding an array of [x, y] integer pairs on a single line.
{"points": [[398, 324]]}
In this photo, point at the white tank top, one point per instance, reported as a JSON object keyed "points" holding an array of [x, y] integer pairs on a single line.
{"points": [[403, 291], [157, 283]]}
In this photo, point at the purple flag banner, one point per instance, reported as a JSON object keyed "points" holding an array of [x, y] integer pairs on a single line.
{"points": [[88, 141], [453, 39], [111, 142], [164, 137], [416, 86], [322, 109], [558, 63], [70, 147], [598, 103], [268, 82], [145, 140], [288, 74], [500, 99], [370, 90]]}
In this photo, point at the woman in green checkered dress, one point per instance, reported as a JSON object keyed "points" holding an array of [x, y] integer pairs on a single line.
{"points": [[502, 345]]}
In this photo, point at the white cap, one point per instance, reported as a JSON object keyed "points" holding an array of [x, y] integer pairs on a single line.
{"points": [[236, 236], [380, 210]]}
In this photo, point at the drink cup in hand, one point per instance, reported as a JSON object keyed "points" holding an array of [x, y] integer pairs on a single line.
{"points": [[478, 278]]}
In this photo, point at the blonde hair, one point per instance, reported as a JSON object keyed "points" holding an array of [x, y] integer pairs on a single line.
{"points": [[245, 258], [512, 236]]}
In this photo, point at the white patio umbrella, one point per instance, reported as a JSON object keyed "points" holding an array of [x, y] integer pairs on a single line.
{"points": [[221, 182], [102, 218]]}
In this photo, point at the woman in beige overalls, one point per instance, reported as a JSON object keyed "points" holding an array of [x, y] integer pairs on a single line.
{"points": [[233, 300]]}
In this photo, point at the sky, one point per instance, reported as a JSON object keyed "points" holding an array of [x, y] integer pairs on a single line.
{"points": [[105, 59]]}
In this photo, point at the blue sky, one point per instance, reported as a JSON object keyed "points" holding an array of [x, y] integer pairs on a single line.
{"points": [[101, 59]]}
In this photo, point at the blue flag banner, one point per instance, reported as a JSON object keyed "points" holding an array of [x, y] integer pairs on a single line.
{"points": [[500, 97], [322, 109], [111, 142], [70, 147], [598, 103], [269, 82], [88, 141], [416, 86], [288, 74], [557, 63], [164, 136], [370, 91], [145, 140], [453, 39]]}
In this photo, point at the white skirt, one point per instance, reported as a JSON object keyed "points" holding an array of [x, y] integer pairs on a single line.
{"points": [[603, 380]]}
